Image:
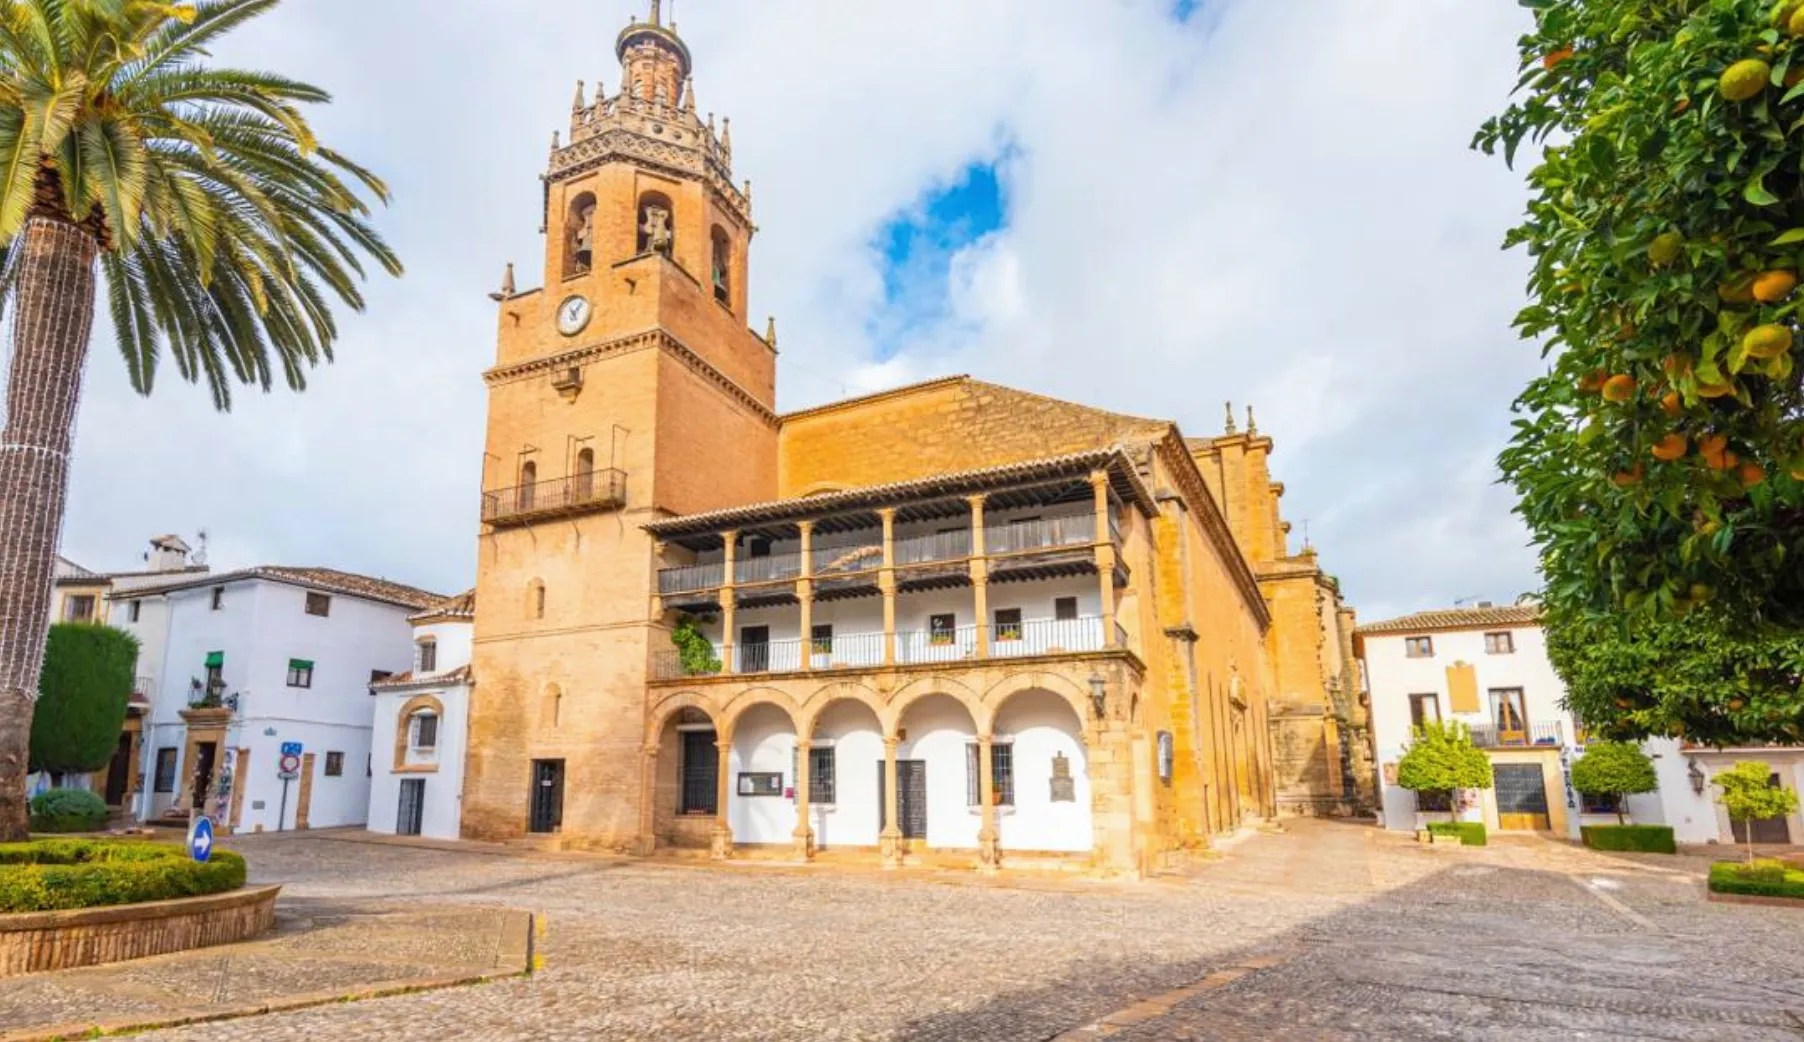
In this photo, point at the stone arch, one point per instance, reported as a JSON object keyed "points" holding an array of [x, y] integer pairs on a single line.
{"points": [[818, 703], [655, 221], [720, 249], [676, 703], [579, 236], [927, 687], [1015, 683], [738, 704], [535, 599], [404, 727]]}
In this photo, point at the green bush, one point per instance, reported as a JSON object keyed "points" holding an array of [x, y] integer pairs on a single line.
{"points": [[60, 874], [67, 810], [86, 684], [1470, 833], [1761, 879], [1649, 839]]}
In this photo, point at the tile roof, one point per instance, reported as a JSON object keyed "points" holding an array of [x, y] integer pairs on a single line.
{"points": [[1456, 619], [448, 677], [462, 606], [326, 580], [870, 496]]}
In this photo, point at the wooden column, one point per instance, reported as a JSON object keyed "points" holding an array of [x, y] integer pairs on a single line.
{"points": [[648, 800], [886, 581], [892, 824], [805, 593], [804, 833], [729, 637], [980, 578], [989, 846], [1105, 558], [721, 846], [303, 804]]}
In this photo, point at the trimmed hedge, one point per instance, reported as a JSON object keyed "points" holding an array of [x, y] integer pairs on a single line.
{"points": [[1470, 833], [67, 810], [1765, 878], [1647, 839], [60, 874]]}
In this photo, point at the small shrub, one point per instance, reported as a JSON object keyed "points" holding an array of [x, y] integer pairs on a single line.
{"points": [[1614, 769], [1649, 839], [1470, 833], [62, 874], [1763, 878], [67, 810]]}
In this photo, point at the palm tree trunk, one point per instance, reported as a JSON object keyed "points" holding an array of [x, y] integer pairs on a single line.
{"points": [[52, 319]]}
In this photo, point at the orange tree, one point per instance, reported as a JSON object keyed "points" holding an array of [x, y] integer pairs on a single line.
{"points": [[1659, 460]]}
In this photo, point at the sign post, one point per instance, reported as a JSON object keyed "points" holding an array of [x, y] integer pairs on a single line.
{"points": [[288, 768]]}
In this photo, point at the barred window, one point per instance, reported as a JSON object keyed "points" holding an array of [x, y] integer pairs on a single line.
{"points": [[1002, 774], [700, 773], [165, 780], [820, 775], [425, 731], [335, 765]]}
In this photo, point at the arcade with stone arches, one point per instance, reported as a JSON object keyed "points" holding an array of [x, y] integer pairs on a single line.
{"points": [[937, 769]]}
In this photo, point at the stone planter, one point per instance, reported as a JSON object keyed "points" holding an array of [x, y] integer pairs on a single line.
{"points": [[34, 942]]}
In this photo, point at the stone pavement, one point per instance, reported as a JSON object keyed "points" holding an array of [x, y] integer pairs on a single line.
{"points": [[1331, 931], [321, 951]]}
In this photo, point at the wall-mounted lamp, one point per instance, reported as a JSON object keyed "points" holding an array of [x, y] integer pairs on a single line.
{"points": [[1696, 774], [1099, 694]]}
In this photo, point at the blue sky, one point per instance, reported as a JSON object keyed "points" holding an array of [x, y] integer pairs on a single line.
{"points": [[919, 245]]}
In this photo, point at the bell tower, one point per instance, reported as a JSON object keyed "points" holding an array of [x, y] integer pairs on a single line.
{"points": [[627, 388]]}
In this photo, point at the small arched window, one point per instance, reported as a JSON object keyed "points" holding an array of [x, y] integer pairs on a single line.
{"points": [[585, 476], [723, 266], [579, 236], [657, 224], [529, 480]]}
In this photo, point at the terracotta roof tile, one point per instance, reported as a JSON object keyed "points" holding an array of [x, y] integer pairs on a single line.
{"points": [[326, 580], [449, 676], [462, 606], [1456, 619]]}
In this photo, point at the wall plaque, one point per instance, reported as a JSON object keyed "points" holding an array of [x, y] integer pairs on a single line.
{"points": [[1064, 787]]}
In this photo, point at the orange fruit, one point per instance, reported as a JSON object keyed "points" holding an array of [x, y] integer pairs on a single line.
{"points": [[1628, 478], [1592, 381], [1767, 342], [1619, 388], [1736, 705], [1670, 404], [1556, 57], [1738, 290], [1665, 248], [1745, 79], [1770, 287], [1751, 474], [1669, 448]]}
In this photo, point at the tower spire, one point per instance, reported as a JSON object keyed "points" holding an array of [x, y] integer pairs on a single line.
{"points": [[657, 12], [581, 101], [1231, 428], [1252, 424]]}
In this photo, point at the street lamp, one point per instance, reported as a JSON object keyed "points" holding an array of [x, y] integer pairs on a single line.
{"points": [[1099, 694]]}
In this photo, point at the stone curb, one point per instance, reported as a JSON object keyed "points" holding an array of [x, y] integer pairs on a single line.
{"points": [[1763, 900], [516, 943]]}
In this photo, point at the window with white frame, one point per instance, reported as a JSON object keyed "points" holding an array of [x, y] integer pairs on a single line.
{"points": [[422, 734]]}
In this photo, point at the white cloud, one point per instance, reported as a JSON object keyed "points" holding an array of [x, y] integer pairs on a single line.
{"points": [[1279, 207]]}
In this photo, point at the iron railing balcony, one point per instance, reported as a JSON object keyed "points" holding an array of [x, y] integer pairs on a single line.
{"points": [[692, 578], [1048, 637], [577, 494], [1544, 733], [769, 568], [928, 549], [1050, 533]]}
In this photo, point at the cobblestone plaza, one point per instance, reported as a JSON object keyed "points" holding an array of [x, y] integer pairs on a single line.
{"points": [[1330, 931]]}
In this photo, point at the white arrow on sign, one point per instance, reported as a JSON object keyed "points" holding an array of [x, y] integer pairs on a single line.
{"points": [[203, 842]]}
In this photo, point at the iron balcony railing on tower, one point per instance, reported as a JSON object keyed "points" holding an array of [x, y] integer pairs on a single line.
{"points": [[577, 494]]}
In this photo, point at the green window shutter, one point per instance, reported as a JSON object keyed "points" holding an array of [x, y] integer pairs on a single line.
{"points": [[299, 663], [215, 658]]}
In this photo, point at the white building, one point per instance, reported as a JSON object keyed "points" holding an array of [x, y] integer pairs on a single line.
{"points": [[257, 661], [1687, 797], [1487, 668], [421, 718]]}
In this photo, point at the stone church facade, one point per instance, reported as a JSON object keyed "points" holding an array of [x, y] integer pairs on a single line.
{"points": [[952, 622]]}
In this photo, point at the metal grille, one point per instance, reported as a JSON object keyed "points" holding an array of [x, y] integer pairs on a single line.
{"points": [[1002, 774], [1521, 789], [547, 796], [409, 817], [701, 773], [821, 775]]}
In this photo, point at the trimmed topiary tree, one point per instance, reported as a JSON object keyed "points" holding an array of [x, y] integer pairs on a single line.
{"points": [[1747, 797], [1615, 769], [86, 684], [1441, 758]]}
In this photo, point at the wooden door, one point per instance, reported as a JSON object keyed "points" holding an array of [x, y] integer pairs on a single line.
{"points": [[547, 796], [911, 797]]}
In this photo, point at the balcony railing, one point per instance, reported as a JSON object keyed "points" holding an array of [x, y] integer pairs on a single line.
{"points": [[599, 490], [926, 549], [1044, 534], [846, 558], [769, 568], [851, 651], [1538, 733], [691, 578]]}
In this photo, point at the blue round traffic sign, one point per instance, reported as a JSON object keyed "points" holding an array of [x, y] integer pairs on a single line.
{"points": [[200, 839]]}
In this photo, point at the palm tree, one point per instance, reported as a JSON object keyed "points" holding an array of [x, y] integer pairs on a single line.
{"points": [[222, 229]]}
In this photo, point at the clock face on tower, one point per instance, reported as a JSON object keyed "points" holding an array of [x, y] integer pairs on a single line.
{"points": [[573, 315]]}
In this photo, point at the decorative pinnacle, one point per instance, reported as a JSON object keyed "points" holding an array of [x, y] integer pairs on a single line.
{"points": [[726, 133], [1231, 428], [688, 94], [581, 102], [554, 141], [1252, 424], [657, 12], [507, 285], [770, 332]]}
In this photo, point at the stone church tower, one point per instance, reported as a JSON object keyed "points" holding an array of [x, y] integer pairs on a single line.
{"points": [[627, 388]]}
